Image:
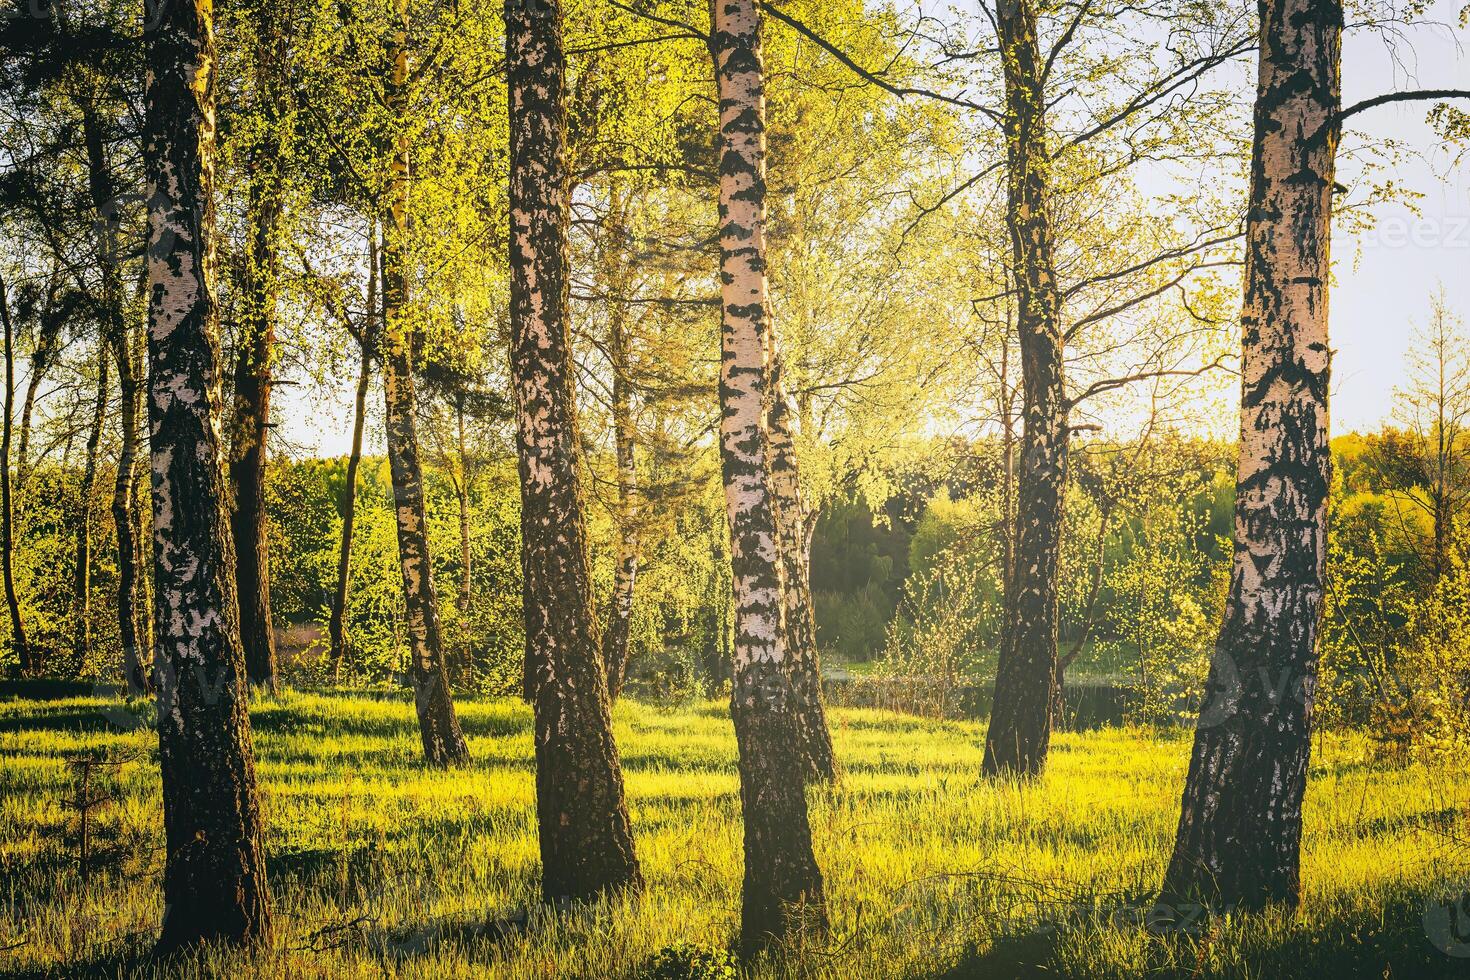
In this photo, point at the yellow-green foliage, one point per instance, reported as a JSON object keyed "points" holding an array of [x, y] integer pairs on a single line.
{"points": [[380, 866]]}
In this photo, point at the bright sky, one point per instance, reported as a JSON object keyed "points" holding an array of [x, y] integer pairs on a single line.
{"points": [[1384, 275]]}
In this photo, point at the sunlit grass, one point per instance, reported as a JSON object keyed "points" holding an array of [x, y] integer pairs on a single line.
{"points": [[379, 864]]}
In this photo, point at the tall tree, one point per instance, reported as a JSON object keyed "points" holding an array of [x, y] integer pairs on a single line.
{"points": [[24, 662], [586, 840], [266, 157], [1240, 821], [443, 741], [1020, 721], [783, 889], [214, 874]]}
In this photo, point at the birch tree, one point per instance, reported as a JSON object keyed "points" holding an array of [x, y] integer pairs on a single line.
{"points": [[586, 839], [782, 889], [1240, 822], [214, 873], [443, 741]]}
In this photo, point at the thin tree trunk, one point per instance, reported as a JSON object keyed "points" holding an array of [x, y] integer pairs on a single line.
{"points": [[122, 340], [214, 872], [625, 569], [586, 840], [249, 522], [462, 493], [443, 741], [1020, 721], [130, 561], [255, 355], [81, 582], [802, 657], [1239, 841], [18, 643], [336, 627], [783, 890]]}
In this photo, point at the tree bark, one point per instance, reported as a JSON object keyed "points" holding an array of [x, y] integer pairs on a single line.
{"points": [[586, 840], [1239, 840], [443, 741], [783, 890], [24, 662], [1020, 721], [802, 657], [336, 627], [214, 874], [81, 582]]}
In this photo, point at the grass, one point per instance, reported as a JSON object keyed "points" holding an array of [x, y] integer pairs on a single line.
{"points": [[379, 865]]}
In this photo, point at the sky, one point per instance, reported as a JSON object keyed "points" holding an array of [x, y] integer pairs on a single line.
{"points": [[1385, 273]]}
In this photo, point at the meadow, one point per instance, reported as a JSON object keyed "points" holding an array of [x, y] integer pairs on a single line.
{"points": [[380, 865]]}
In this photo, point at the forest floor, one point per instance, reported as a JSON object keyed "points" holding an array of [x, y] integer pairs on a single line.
{"points": [[381, 866]]}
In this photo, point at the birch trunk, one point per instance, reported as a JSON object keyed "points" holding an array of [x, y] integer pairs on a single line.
{"points": [[1239, 840], [586, 839], [782, 889], [24, 662], [81, 645], [1020, 721], [214, 873], [443, 741], [796, 594]]}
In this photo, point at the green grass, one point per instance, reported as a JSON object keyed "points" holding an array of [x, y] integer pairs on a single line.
{"points": [[379, 865]]}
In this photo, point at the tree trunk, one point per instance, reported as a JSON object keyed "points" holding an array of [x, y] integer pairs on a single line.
{"points": [[443, 740], [81, 582], [803, 660], [251, 423], [1020, 721], [336, 628], [586, 840], [25, 664], [783, 889], [122, 340], [1240, 821], [214, 873], [255, 352], [625, 571], [462, 494], [130, 560]]}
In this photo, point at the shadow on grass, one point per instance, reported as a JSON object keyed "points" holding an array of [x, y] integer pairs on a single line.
{"points": [[1393, 943]]}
